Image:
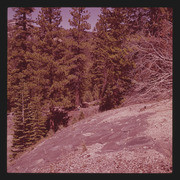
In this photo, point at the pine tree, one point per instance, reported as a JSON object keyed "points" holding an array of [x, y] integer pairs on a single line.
{"points": [[28, 120], [18, 136], [49, 51], [76, 57], [20, 45], [111, 66], [100, 55]]}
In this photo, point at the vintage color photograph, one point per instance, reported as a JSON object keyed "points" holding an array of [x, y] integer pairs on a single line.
{"points": [[89, 89]]}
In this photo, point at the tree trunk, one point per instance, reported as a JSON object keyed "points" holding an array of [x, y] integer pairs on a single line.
{"points": [[104, 84], [23, 104], [77, 95]]}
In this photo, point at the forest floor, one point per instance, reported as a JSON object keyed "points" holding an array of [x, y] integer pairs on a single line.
{"points": [[132, 139]]}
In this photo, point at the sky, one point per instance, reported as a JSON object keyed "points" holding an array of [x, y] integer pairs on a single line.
{"points": [[94, 12]]}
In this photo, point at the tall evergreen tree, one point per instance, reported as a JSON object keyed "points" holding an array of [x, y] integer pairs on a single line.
{"points": [[76, 57], [100, 55], [43, 66], [49, 50], [111, 65], [18, 136], [19, 76]]}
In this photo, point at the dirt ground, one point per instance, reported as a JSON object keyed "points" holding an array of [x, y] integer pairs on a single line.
{"points": [[131, 139]]}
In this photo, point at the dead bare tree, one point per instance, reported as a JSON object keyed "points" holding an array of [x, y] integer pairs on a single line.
{"points": [[152, 76]]}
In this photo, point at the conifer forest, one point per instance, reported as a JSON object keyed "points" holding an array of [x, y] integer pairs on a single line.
{"points": [[128, 52]]}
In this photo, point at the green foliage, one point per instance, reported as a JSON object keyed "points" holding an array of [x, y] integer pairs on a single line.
{"points": [[111, 67], [76, 57], [18, 80], [57, 117], [88, 96], [112, 99], [49, 51]]}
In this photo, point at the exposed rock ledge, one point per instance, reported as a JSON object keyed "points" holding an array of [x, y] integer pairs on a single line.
{"points": [[132, 139]]}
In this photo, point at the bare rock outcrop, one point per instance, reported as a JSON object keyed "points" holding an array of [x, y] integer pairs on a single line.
{"points": [[131, 139]]}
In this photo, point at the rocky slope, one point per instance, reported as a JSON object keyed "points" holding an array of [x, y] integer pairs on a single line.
{"points": [[132, 139]]}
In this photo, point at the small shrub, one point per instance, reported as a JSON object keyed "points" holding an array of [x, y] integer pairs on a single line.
{"points": [[81, 116], [56, 118], [112, 99], [74, 120], [84, 148], [88, 97]]}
